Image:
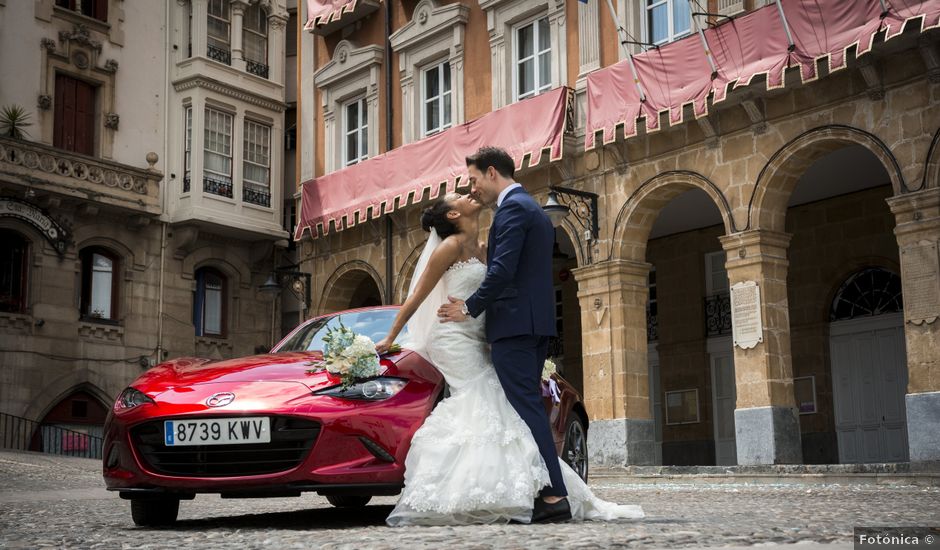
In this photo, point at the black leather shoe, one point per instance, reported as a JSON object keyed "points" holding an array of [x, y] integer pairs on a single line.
{"points": [[544, 512]]}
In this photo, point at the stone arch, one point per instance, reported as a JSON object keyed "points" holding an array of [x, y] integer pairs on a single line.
{"points": [[932, 165], [86, 238], [580, 247], [768, 205], [37, 243], [343, 282], [636, 217], [838, 277], [219, 257], [85, 380], [403, 281]]}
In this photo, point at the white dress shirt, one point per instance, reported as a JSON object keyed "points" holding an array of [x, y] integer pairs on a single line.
{"points": [[504, 192]]}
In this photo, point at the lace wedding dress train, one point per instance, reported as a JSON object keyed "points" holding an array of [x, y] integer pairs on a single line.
{"points": [[474, 460]]}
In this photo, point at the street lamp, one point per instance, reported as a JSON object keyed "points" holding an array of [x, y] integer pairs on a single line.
{"points": [[582, 204]]}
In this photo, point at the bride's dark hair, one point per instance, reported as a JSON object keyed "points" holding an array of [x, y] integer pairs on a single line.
{"points": [[436, 216]]}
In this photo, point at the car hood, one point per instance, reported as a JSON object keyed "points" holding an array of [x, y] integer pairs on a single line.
{"points": [[273, 367]]}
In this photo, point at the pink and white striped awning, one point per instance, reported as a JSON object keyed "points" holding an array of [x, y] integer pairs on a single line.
{"points": [[679, 73], [322, 13], [407, 174]]}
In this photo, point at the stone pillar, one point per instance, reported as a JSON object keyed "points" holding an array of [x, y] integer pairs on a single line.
{"points": [[276, 24], [767, 428], [613, 297], [199, 33], [918, 233], [235, 36]]}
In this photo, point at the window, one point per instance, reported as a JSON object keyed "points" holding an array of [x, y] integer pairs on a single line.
{"points": [[356, 132], [869, 292], [437, 99], [187, 148], [255, 33], [97, 9], [256, 164], [533, 59], [74, 117], [218, 27], [217, 173], [13, 264], [99, 284], [716, 276], [667, 20], [209, 304]]}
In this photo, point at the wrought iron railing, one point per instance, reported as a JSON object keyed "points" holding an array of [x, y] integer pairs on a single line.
{"points": [[222, 55], [652, 326], [23, 434], [255, 68], [556, 346], [257, 195], [216, 186], [718, 314], [186, 183]]}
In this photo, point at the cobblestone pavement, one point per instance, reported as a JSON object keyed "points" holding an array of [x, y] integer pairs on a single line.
{"points": [[60, 502]]}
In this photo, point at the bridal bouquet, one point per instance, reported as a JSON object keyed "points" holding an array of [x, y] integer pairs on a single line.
{"points": [[348, 355], [549, 386]]}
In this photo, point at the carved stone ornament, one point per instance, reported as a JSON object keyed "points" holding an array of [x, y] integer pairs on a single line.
{"points": [[80, 59], [44, 102], [112, 120], [423, 17], [111, 65], [48, 44], [80, 35]]}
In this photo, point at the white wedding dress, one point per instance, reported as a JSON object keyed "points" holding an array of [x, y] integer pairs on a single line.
{"points": [[474, 460]]}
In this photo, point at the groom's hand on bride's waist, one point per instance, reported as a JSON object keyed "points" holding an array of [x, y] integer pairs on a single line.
{"points": [[455, 311]]}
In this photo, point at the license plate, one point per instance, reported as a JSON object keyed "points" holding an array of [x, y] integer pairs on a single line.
{"points": [[219, 431]]}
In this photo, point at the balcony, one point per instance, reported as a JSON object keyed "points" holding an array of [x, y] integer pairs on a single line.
{"points": [[718, 315], [256, 68], [45, 168], [222, 55], [255, 194], [216, 186]]}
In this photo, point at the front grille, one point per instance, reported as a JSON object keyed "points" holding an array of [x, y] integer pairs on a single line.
{"points": [[291, 440]]}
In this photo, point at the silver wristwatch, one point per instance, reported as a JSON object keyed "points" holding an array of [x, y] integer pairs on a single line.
{"points": [[464, 310]]}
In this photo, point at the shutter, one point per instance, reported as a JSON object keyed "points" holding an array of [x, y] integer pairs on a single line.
{"points": [[64, 124], [84, 118], [101, 10]]}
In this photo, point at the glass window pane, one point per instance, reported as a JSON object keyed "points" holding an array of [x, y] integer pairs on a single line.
{"points": [[544, 35], [101, 278], [447, 108], [524, 38], [352, 147], [432, 116], [431, 83], [526, 77], [659, 23], [681, 17], [352, 116], [212, 318], [365, 112], [446, 70], [545, 70]]}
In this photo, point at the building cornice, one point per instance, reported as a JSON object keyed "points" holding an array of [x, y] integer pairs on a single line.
{"points": [[224, 89]]}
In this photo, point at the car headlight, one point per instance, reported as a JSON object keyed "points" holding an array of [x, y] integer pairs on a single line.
{"points": [[131, 398], [376, 389]]}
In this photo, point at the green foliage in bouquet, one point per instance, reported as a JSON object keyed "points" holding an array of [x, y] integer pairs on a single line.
{"points": [[348, 355]]}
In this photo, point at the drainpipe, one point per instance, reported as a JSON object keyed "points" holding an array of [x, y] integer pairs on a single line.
{"points": [[167, 52], [388, 145]]}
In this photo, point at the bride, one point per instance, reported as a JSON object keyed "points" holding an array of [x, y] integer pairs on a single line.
{"points": [[473, 460]]}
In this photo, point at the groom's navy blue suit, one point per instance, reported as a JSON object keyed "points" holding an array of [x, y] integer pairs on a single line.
{"points": [[519, 301]]}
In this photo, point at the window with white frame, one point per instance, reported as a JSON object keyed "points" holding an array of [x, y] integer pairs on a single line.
{"points": [[218, 27], [256, 163], [255, 38], [532, 67], [667, 20], [217, 157], [355, 131], [437, 98], [187, 149], [716, 275]]}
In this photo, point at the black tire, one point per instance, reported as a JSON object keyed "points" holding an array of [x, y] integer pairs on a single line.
{"points": [[575, 451], [154, 512], [349, 501]]}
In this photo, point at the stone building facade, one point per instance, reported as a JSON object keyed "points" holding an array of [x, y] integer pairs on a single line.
{"points": [[144, 208], [824, 195]]}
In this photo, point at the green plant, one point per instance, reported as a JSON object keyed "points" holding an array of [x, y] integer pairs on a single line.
{"points": [[13, 120]]}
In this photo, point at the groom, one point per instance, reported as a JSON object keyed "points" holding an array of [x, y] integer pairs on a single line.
{"points": [[518, 298]]}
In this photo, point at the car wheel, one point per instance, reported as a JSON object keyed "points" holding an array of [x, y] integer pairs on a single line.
{"points": [[153, 512], [349, 501], [575, 450]]}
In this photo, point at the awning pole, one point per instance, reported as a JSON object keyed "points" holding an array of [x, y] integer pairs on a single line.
{"points": [[786, 26], [701, 35], [622, 33]]}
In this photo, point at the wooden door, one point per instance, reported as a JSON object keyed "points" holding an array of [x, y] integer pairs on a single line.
{"points": [[74, 128]]}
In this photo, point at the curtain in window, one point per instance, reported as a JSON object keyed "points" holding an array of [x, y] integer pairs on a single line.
{"points": [[101, 285]]}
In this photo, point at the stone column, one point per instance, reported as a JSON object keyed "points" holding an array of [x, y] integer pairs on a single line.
{"points": [[767, 428], [918, 233], [613, 297], [276, 25], [235, 36], [199, 32]]}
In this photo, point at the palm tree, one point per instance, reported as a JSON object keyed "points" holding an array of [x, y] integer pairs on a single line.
{"points": [[13, 120]]}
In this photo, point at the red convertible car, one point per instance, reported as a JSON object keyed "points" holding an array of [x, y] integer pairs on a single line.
{"points": [[263, 426]]}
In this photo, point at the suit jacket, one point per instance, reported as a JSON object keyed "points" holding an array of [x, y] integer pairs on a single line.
{"points": [[517, 293]]}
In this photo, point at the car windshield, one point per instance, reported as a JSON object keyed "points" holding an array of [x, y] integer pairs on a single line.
{"points": [[373, 323]]}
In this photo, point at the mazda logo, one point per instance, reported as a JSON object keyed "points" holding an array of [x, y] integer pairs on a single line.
{"points": [[220, 399]]}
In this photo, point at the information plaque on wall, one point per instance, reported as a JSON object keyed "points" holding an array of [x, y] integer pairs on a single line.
{"points": [[746, 325]]}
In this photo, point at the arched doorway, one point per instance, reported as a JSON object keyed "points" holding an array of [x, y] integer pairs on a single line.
{"points": [[869, 367], [73, 426], [349, 288]]}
